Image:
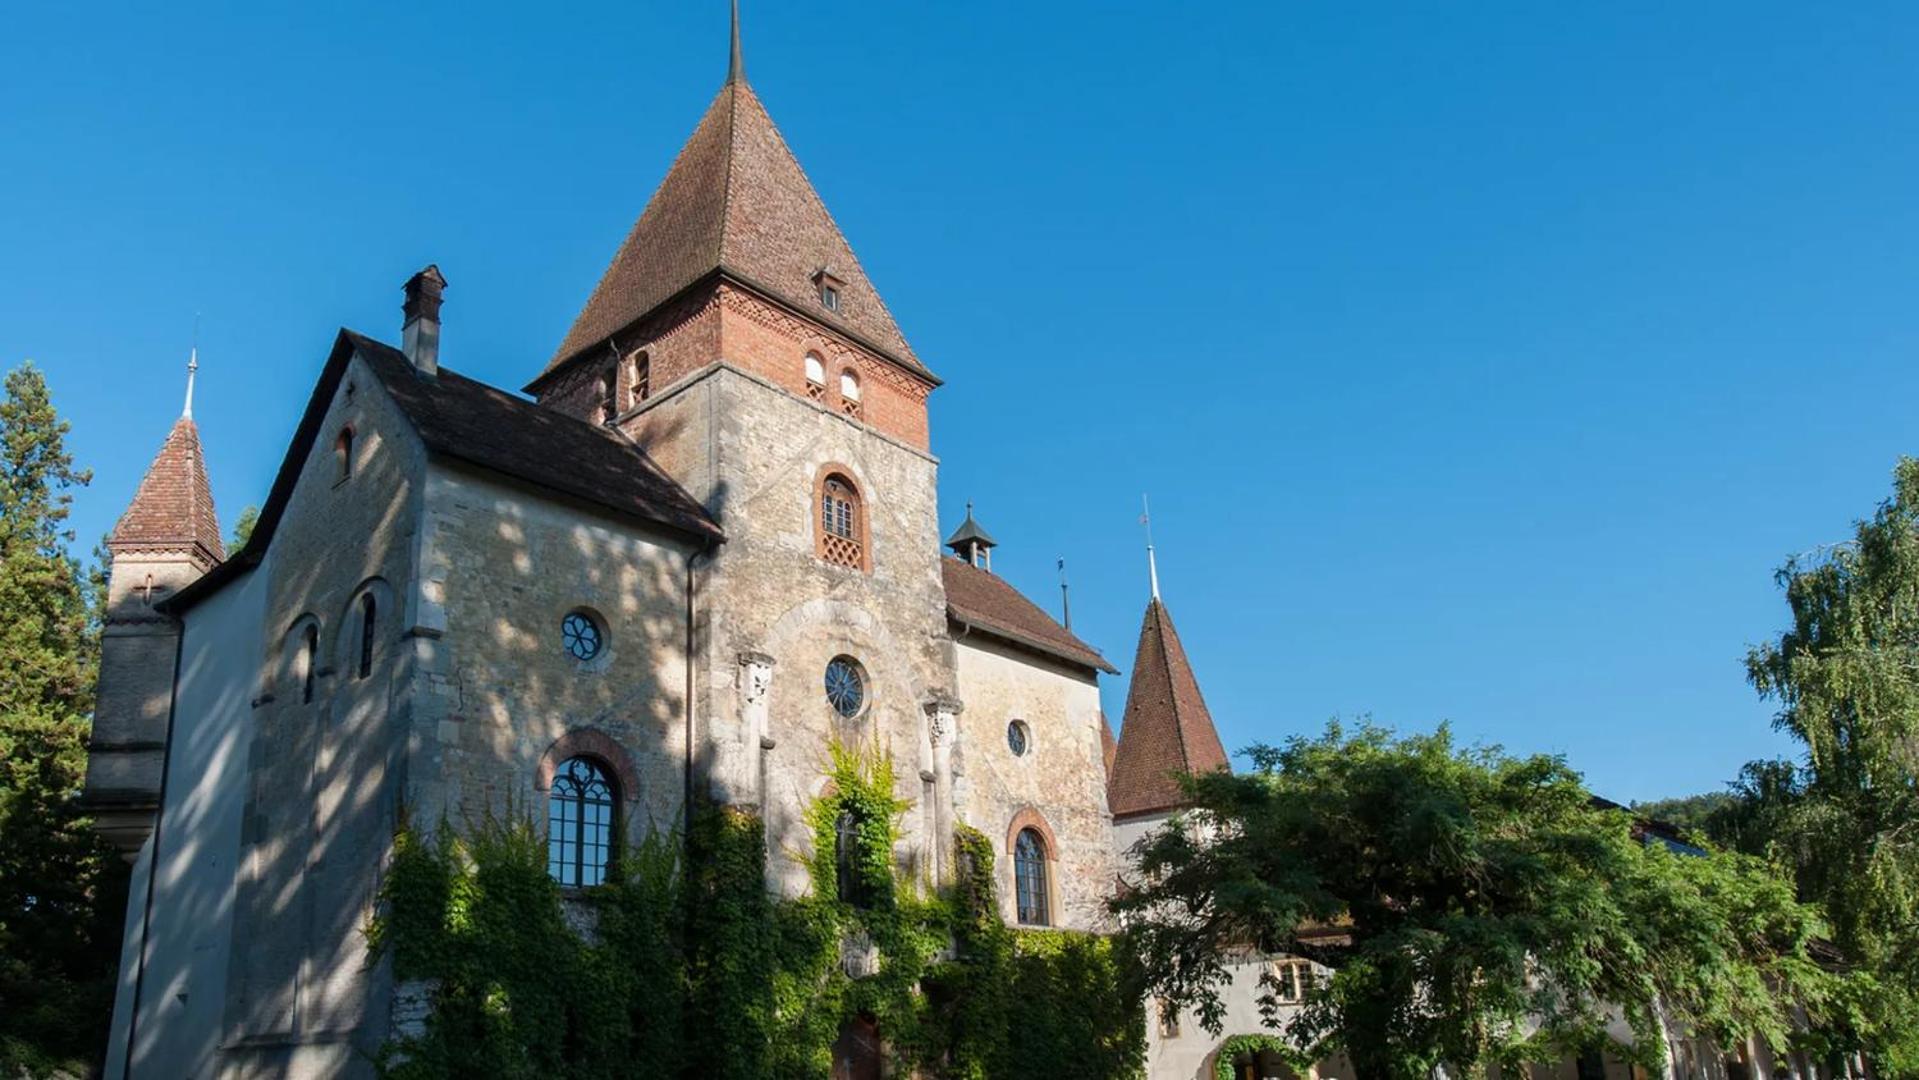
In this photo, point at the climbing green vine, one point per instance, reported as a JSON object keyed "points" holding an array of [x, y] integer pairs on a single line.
{"points": [[1238, 1045], [683, 964]]}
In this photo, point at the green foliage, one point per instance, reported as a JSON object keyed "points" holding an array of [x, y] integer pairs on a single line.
{"points": [[62, 890], [243, 528], [1846, 677], [1694, 815], [1486, 912], [514, 991], [1235, 1046], [714, 978]]}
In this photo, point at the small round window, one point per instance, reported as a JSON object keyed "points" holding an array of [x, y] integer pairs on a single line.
{"points": [[845, 686], [581, 636], [1018, 738]]}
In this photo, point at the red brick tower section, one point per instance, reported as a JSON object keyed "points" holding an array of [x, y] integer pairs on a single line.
{"points": [[737, 260], [1167, 729], [167, 538]]}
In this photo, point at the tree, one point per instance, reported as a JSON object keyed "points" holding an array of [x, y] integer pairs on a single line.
{"points": [[1846, 677], [59, 883], [1474, 908], [243, 528]]}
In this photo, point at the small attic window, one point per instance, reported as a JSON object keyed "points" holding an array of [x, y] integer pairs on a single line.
{"points": [[829, 289]]}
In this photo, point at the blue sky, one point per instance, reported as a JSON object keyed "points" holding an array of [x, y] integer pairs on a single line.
{"points": [[1482, 361]]}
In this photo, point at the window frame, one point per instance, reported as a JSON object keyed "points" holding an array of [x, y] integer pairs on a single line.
{"points": [[369, 626], [841, 529], [1032, 878], [581, 796]]}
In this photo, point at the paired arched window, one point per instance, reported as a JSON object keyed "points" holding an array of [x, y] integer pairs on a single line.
{"points": [[841, 528], [850, 393], [608, 406], [369, 621], [1029, 878], [639, 378], [580, 809], [815, 377], [343, 452]]}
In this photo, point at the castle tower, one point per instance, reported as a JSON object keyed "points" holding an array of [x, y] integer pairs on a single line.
{"points": [[167, 538], [736, 339]]}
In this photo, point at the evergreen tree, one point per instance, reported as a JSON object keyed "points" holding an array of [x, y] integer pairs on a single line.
{"points": [[61, 888], [1846, 677], [243, 528]]}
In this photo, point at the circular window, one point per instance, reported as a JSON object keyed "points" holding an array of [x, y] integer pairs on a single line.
{"points": [[1018, 738], [581, 636], [845, 686]]}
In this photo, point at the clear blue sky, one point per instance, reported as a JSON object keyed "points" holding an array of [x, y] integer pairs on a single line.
{"points": [[1482, 360]]}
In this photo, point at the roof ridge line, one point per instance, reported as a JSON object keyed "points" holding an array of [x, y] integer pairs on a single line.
{"points": [[732, 92]]}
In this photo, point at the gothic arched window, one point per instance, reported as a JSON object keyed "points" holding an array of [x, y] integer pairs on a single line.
{"points": [[368, 621], [840, 528], [1029, 877], [579, 823]]}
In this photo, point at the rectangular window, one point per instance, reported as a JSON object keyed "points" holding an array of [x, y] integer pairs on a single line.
{"points": [[830, 297]]}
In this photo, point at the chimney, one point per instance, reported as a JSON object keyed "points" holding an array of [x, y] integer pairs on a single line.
{"points": [[420, 337]]}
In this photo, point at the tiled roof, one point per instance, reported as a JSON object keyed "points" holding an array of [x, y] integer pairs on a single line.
{"points": [[983, 600], [737, 202], [174, 506], [457, 417], [1108, 746], [462, 418], [1166, 730]]}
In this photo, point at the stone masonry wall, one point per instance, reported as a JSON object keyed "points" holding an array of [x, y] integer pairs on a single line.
{"points": [[322, 791], [500, 568], [1061, 778]]}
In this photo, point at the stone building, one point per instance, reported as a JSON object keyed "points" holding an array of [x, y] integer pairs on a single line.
{"points": [[703, 545]]}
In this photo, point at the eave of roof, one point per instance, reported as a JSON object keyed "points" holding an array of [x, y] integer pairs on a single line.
{"points": [[689, 521], [995, 608]]}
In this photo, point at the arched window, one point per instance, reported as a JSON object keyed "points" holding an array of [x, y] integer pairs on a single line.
{"points": [[607, 404], [1029, 877], [367, 622], [579, 823], [343, 452], [815, 377], [309, 662], [850, 393], [639, 378], [841, 538], [846, 852]]}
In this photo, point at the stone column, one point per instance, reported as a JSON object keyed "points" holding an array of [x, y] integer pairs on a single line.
{"points": [[942, 728], [756, 734]]}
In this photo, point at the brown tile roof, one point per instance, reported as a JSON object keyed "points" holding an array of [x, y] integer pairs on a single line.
{"points": [[462, 418], [174, 505], [1108, 746], [1166, 730], [737, 202], [457, 417], [986, 602]]}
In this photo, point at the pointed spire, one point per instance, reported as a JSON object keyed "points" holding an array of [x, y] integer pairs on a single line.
{"points": [[173, 508], [1152, 561], [736, 66], [1167, 729], [193, 365]]}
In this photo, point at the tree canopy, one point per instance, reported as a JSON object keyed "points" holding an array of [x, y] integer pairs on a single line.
{"points": [[61, 887], [1475, 909], [1845, 675]]}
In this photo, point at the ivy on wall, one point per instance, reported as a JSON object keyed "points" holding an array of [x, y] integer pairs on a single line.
{"points": [[691, 968], [1238, 1046]]}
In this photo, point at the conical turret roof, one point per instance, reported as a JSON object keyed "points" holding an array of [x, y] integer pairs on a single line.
{"points": [[1166, 730], [174, 505]]}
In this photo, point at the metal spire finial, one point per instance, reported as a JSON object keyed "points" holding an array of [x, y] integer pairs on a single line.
{"points": [[736, 67], [1152, 561], [193, 365]]}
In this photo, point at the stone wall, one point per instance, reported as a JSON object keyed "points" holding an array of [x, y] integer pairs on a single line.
{"points": [[501, 566], [322, 796], [1059, 783]]}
